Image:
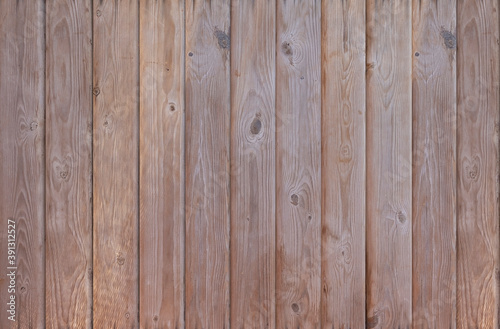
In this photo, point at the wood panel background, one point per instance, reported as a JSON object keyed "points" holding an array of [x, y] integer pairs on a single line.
{"points": [[251, 164]]}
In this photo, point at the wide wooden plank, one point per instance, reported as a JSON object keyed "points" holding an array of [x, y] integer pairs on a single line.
{"points": [[478, 267], [343, 164], [115, 163], [253, 124], [298, 169], [434, 174], [388, 165], [22, 162], [207, 163], [69, 165], [161, 164]]}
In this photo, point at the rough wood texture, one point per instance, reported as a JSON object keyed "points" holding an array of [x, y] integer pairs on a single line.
{"points": [[115, 288], [434, 174], [478, 268], [388, 164], [161, 164], [343, 164], [22, 164], [253, 124], [207, 164], [69, 164], [298, 169]]}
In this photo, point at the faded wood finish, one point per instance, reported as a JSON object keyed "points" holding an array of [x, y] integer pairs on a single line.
{"points": [[251, 164], [298, 164], [22, 167], [115, 155], [68, 142], [343, 164], [478, 268], [388, 165], [434, 174], [207, 164], [253, 124], [161, 164]]}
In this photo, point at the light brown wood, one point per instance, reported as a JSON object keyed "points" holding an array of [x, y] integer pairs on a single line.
{"points": [[478, 125], [388, 165], [68, 142], [298, 164], [343, 164], [115, 155], [207, 163], [22, 163], [161, 164], [253, 124], [434, 172]]}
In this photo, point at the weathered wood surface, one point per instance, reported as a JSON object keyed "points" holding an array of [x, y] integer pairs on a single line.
{"points": [[343, 164], [22, 165], [478, 124], [115, 162], [434, 172], [251, 164], [207, 163], [298, 164], [68, 140], [161, 190], [388, 165]]}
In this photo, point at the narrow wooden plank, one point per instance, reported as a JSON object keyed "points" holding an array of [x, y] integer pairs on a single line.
{"points": [[161, 164], [389, 164], [115, 162], [253, 124], [434, 174], [69, 178], [207, 163], [22, 162], [343, 164], [298, 169], [478, 267]]}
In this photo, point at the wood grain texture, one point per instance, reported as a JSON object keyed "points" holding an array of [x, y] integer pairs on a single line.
{"points": [[298, 164], [22, 164], [434, 172], [69, 164], [207, 163], [478, 268], [253, 124], [388, 165], [343, 164], [161, 164], [115, 151]]}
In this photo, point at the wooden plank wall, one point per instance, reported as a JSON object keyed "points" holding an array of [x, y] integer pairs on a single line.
{"points": [[250, 164]]}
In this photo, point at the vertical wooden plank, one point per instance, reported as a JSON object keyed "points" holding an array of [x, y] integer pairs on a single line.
{"points": [[253, 163], [343, 164], [388, 164], [298, 169], [434, 174], [22, 163], [69, 164], [207, 163], [477, 164], [161, 164], [115, 163]]}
